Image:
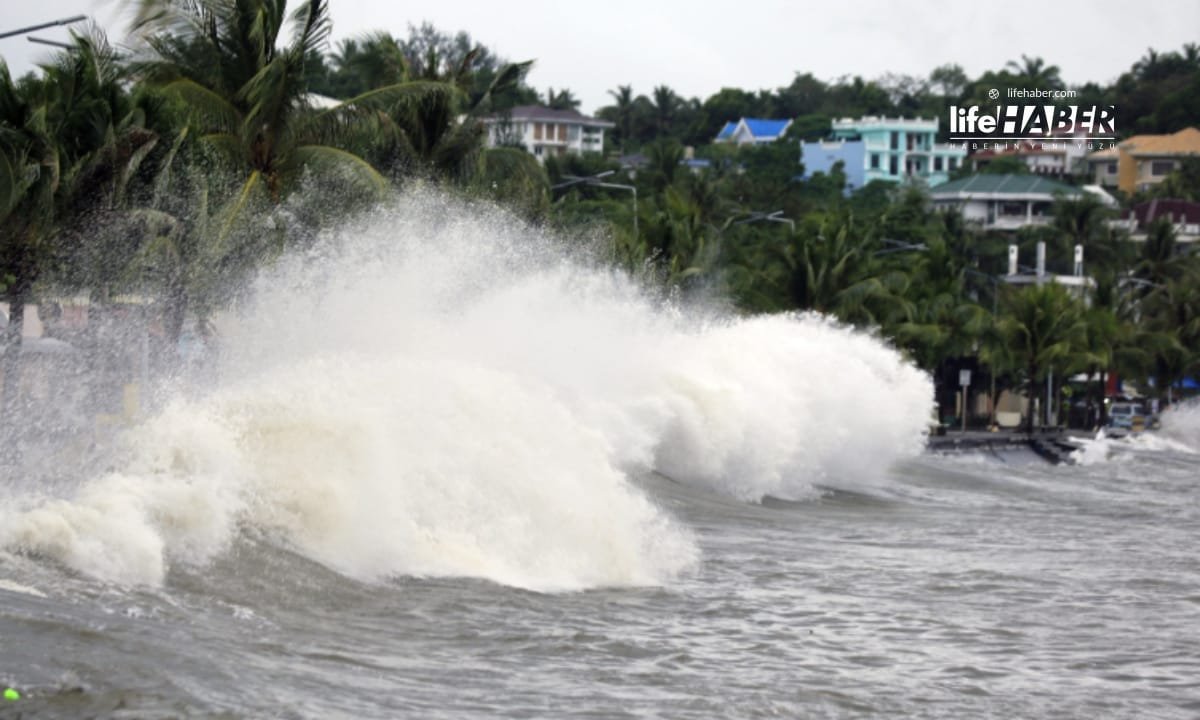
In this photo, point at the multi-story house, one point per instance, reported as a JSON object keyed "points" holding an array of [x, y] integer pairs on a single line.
{"points": [[545, 131], [1143, 161], [880, 148]]}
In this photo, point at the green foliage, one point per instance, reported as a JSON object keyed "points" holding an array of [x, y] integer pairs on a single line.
{"points": [[1042, 329], [514, 179], [191, 158]]}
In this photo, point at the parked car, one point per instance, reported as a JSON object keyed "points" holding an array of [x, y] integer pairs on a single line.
{"points": [[1127, 416]]}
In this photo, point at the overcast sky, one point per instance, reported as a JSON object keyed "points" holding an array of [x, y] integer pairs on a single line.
{"points": [[591, 48]]}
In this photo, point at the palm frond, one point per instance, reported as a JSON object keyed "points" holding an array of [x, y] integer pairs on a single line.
{"points": [[215, 112]]}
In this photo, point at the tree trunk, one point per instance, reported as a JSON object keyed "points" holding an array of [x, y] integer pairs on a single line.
{"points": [[10, 446], [1033, 387]]}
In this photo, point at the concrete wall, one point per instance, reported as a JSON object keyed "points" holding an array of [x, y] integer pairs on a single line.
{"points": [[821, 157]]}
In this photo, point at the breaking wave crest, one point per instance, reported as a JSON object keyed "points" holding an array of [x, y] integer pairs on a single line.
{"points": [[441, 392]]}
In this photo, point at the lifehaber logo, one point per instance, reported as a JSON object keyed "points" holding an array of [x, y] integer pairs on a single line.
{"points": [[1033, 122]]}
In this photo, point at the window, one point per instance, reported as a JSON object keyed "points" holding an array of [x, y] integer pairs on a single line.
{"points": [[895, 141], [1112, 168], [1161, 167], [953, 163], [893, 165], [937, 163], [874, 161], [562, 133], [537, 131]]}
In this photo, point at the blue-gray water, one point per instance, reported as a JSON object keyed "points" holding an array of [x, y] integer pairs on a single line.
{"points": [[960, 588]]}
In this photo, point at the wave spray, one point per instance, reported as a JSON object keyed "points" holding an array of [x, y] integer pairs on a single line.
{"points": [[441, 392]]}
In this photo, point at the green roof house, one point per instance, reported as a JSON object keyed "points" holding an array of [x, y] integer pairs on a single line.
{"points": [[1003, 202]]}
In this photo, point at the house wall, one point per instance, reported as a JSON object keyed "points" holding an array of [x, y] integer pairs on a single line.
{"points": [[543, 138], [905, 148], [1126, 170], [821, 157], [1104, 172], [1145, 176]]}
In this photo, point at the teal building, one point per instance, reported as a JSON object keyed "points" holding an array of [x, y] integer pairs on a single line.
{"points": [[900, 149]]}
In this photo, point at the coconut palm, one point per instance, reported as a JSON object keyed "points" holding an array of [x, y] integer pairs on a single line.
{"points": [[622, 114], [1043, 328], [561, 100], [246, 93], [666, 107], [1035, 73], [834, 270], [69, 141]]}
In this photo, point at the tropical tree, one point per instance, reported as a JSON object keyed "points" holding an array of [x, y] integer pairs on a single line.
{"points": [[1035, 73], [1083, 220], [666, 107], [247, 94], [833, 269], [69, 142], [1043, 329], [561, 100], [622, 114]]}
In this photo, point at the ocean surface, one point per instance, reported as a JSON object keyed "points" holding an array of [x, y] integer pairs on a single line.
{"points": [[444, 467]]}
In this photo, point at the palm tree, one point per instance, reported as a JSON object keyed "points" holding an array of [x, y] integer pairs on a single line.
{"points": [[562, 100], [623, 96], [247, 94], [429, 127], [363, 64], [68, 144], [1035, 73], [834, 270], [666, 106], [1043, 328]]}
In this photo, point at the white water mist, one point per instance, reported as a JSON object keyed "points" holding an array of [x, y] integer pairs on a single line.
{"points": [[439, 392]]}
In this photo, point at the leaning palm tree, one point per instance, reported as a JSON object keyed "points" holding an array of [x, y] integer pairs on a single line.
{"points": [[246, 92]]}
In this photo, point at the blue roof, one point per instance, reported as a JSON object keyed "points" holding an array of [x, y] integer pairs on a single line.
{"points": [[765, 128], [727, 130]]}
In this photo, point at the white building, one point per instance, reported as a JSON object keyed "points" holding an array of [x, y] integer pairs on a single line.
{"points": [[544, 131], [1007, 202]]}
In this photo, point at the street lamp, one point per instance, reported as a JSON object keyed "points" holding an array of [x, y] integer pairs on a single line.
{"points": [[595, 181], [54, 43], [776, 216], [898, 246], [52, 23]]}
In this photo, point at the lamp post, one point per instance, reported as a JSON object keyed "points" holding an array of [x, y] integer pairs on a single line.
{"points": [[42, 26], [757, 215], [595, 181], [54, 43]]}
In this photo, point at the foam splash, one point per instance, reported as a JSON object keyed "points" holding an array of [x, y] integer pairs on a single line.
{"points": [[437, 393], [1093, 451], [1181, 425]]}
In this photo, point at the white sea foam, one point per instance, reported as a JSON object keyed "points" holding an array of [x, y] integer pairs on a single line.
{"points": [[1181, 424], [437, 392], [1092, 450]]}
